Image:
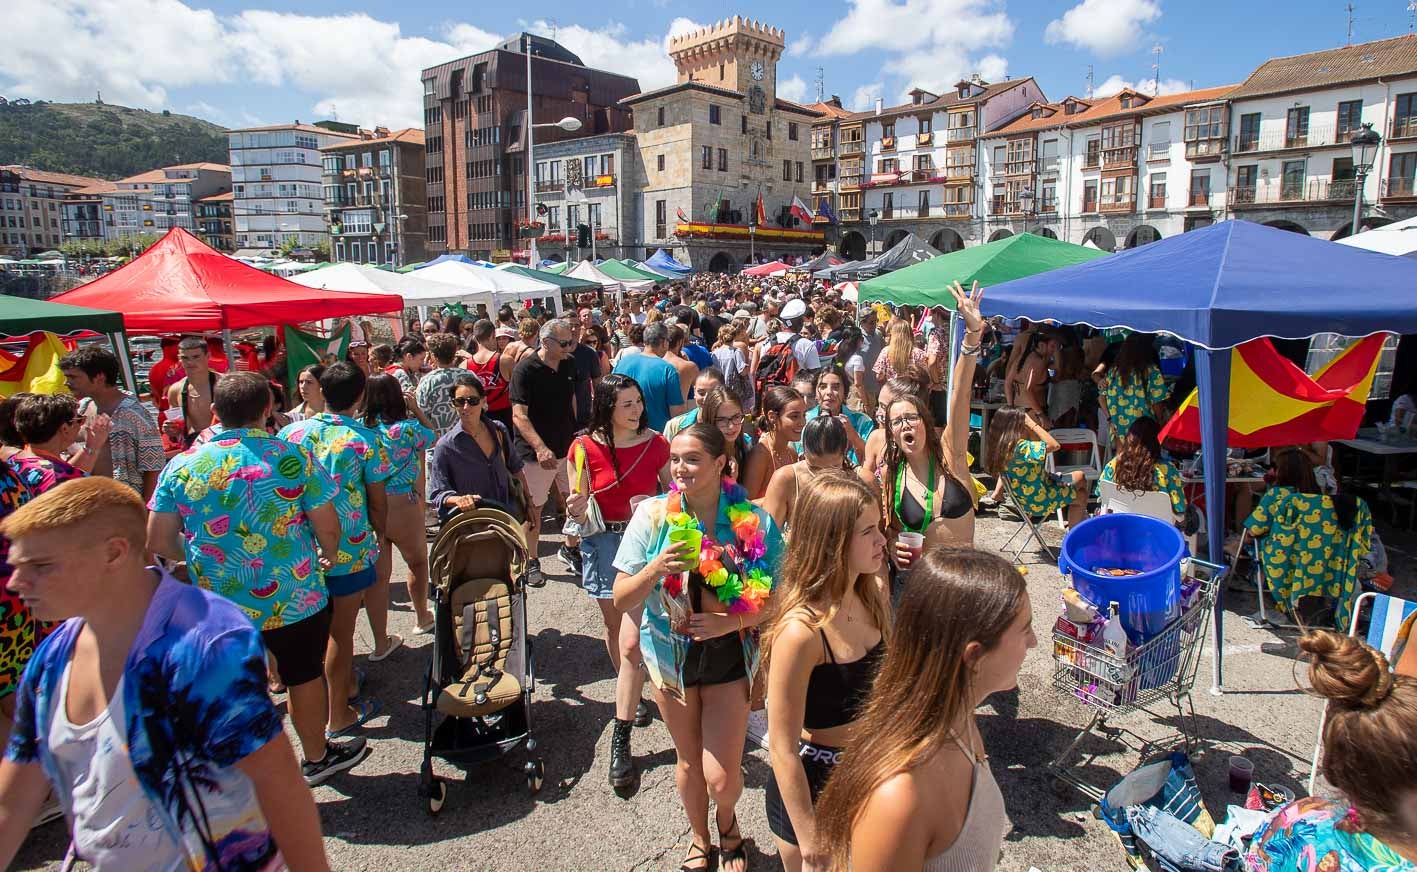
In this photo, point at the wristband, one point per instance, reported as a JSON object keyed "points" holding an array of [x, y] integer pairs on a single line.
{"points": [[966, 349]]}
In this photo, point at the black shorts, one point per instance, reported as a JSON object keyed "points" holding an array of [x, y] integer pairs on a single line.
{"points": [[299, 648], [818, 762], [715, 661]]}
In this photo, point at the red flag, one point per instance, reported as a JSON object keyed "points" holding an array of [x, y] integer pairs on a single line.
{"points": [[800, 211], [680, 213], [762, 216]]}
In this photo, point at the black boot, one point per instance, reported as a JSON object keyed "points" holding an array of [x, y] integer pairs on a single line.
{"points": [[643, 717], [623, 771]]}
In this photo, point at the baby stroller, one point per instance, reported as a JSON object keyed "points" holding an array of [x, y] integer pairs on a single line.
{"points": [[481, 679]]}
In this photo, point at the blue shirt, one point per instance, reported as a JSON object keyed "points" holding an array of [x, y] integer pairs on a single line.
{"points": [[698, 355], [659, 381], [405, 441]]}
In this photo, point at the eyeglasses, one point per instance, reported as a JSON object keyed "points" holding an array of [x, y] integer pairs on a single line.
{"points": [[906, 421], [731, 421], [465, 402]]}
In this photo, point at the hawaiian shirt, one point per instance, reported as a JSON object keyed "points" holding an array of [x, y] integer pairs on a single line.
{"points": [[354, 456], [1305, 552], [242, 499], [405, 441], [664, 652], [1038, 491], [1313, 833], [42, 473], [1133, 399], [1165, 479], [194, 705], [133, 442], [17, 627], [435, 399]]}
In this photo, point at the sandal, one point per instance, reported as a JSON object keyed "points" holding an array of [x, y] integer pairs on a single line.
{"points": [[736, 854], [698, 852], [359, 677], [368, 710], [395, 642]]}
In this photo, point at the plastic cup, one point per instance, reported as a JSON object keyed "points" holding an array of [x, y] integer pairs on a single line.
{"points": [[635, 502], [1242, 772], [688, 542], [914, 543]]}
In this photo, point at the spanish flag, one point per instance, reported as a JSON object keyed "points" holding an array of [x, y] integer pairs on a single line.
{"points": [[1273, 402], [36, 370]]}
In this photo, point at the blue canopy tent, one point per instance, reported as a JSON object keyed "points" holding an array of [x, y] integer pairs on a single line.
{"points": [[460, 258], [1216, 288], [664, 263]]}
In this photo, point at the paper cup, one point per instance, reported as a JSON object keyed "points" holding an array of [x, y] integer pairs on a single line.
{"points": [[688, 542]]}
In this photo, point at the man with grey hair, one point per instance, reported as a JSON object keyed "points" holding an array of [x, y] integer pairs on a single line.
{"points": [[544, 412], [657, 377]]}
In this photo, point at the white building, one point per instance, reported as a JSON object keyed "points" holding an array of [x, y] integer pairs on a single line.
{"points": [[275, 176]]}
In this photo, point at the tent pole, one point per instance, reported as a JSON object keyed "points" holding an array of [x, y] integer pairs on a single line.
{"points": [[1213, 382], [956, 337], [229, 346], [119, 338]]}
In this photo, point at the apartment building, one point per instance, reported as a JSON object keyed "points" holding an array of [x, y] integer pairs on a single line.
{"points": [[717, 141], [30, 208], [276, 179], [215, 226], [595, 181], [826, 165], [913, 167], [475, 133], [375, 196]]}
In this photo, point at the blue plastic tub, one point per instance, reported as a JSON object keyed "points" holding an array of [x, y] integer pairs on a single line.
{"points": [[1149, 600]]}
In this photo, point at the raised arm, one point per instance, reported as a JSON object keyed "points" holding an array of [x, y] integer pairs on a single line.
{"points": [[957, 426]]}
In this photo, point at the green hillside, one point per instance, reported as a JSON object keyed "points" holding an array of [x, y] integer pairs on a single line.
{"points": [[111, 142]]}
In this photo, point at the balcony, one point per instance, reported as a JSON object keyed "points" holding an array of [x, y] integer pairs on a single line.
{"points": [[851, 214], [823, 152], [960, 134], [1327, 136], [1004, 206], [887, 212], [887, 143], [1048, 166], [1156, 201], [959, 171], [1403, 127], [550, 186], [1120, 157], [1302, 193], [1198, 200], [1092, 160], [852, 180], [1089, 207], [923, 139], [958, 210], [1047, 207], [821, 186], [1399, 189], [1117, 203], [853, 146], [1019, 167], [1158, 151]]}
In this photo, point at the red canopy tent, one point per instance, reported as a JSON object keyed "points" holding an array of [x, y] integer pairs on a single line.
{"points": [[182, 285], [775, 268]]}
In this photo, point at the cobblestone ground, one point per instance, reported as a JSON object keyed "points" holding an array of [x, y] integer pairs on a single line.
{"points": [[373, 818]]}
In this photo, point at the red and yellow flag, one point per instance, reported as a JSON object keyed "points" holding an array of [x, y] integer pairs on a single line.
{"points": [[1273, 402], [36, 370]]}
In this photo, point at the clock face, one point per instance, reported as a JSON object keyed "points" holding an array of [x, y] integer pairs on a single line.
{"points": [[756, 71]]}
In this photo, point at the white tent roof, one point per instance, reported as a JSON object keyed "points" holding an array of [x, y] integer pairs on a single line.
{"points": [[1398, 238], [415, 288], [587, 270], [504, 286]]}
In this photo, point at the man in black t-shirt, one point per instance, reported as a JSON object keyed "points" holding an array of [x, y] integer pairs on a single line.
{"points": [[544, 411]]}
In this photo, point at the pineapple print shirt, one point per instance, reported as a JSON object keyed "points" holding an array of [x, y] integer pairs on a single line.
{"points": [[354, 456], [242, 500]]}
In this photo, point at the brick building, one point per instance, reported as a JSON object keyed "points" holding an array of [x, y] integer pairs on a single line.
{"points": [[375, 197]]}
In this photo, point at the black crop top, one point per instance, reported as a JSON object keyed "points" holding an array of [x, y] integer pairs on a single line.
{"points": [[836, 692]]}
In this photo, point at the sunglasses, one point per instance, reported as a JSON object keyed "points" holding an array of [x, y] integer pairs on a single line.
{"points": [[565, 343], [465, 402]]}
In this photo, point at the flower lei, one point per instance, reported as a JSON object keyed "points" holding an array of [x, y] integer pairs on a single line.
{"points": [[745, 593]]}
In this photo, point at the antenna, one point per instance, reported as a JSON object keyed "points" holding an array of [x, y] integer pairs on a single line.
{"points": [[1156, 69], [1411, 15], [1089, 81], [1348, 7], [334, 112], [822, 81]]}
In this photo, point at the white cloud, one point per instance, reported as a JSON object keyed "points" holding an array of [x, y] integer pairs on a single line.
{"points": [[469, 38], [793, 88], [1115, 83], [799, 46], [608, 48], [865, 96], [902, 27], [1107, 27]]}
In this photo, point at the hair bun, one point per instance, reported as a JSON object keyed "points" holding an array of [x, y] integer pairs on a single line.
{"points": [[1345, 670]]}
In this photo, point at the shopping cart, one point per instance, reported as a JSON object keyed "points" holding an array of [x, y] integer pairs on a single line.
{"points": [[1162, 668]]}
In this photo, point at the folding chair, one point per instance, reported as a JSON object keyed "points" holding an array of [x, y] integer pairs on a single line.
{"points": [[1388, 616], [1070, 440], [1026, 524]]}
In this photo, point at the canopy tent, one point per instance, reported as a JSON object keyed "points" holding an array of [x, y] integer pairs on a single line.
{"points": [[1398, 238], [773, 268], [926, 283], [20, 316], [825, 260], [623, 272], [181, 285], [590, 272], [448, 258], [408, 267], [504, 287], [910, 250], [850, 291], [663, 262], [565, 283], [665, 275], [1218, 287], [835, 273], [415, 288]]}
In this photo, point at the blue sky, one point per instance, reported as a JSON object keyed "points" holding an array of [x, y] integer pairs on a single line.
{"points": [[242, 63]]}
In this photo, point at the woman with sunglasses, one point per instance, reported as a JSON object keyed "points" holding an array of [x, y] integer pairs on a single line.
{"points": [[48, 425], [474, 461]]}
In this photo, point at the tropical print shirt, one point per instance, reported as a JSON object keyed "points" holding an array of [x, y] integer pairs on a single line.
{"points": [[1165, 479], [1305, 552], [405, 441], [18, 629], [1311, 834], [1038, 492], [242, 499], [435, 399], [42, 473], [354, 456], [194, 704], [1127, 401]]}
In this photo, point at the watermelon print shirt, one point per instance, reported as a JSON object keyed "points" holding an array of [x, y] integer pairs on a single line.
{"points": [[354, 456], [405, 441], [242, 500]]}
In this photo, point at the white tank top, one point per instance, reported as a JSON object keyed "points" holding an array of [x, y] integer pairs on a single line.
{"points": [[976, 848]]}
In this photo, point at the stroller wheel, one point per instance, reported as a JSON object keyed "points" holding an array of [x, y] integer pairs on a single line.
{"points": [[535, 772], [437, 795]]}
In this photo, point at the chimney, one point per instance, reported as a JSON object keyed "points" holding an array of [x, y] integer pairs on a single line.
{"points": [[381, 132], [977, 79], [835, 101], [880, 104]]}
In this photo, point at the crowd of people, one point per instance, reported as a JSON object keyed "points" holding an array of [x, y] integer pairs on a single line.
{"points": [[766, 490]]}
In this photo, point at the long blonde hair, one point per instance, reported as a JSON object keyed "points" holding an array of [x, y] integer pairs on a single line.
{"points": [[955, 596], [900, 346], [814, 577]]}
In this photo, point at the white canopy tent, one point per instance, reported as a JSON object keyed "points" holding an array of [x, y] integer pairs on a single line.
{"points": [[588, 271], [415, 288], [1398, 238], [505, 287]]}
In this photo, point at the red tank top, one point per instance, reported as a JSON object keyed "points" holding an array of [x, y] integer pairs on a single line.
{"points": [[496, 388]]}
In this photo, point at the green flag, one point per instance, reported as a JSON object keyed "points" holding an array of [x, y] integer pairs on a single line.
{"points": [[456, 309], [304, 349]]}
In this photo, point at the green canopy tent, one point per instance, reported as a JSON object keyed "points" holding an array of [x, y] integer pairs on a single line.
{"points": [[408, 268], [555, 268], [927, 283], [20, 316], [617, 270], [565, 283]]}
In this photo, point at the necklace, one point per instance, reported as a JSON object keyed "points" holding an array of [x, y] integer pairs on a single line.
{"points": [[747, 589]]}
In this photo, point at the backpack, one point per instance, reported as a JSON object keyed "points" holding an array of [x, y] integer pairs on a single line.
{"points": [[778, 365]]}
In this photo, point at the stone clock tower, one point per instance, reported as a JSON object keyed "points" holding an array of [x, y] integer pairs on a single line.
{"points": [[737, 54]]}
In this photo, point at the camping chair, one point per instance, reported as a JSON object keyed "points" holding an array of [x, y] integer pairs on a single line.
{"points": [[1075, 440], [1389, 613], [1153, 504], [1026, 524]]}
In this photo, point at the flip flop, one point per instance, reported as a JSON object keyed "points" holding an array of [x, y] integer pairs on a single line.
{"points": [[368, 710], [395, 642], [424, 629], [359, 676]]}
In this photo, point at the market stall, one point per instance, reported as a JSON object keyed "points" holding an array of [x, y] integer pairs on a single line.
{"points": [[663, 262], [504, 287], [415, 289], [22, 317]]}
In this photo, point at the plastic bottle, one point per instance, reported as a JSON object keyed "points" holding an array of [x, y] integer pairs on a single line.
{"points": [[1114, 641]]}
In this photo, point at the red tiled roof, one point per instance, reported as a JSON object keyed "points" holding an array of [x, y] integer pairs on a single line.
{"points": [[1363, 62], [213, 167], [943, 101], [30, 174], [96, 190], [1106, 108], [411, 135], [217, 198]]}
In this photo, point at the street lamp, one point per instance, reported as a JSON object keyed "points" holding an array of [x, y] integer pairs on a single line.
{"points": [[1025, 203], [568, 124], [398, 239], [871, 218], [752, 250], [1365, 150]]}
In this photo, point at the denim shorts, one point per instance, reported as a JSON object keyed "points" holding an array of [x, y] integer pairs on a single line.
{"points": [[598, 564], [353, 583]]}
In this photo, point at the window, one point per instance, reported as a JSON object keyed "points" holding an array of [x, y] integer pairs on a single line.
{"points": [[706, 152], [1089, 195], [787, 171], [890, 165], [659, 163], [1048, 202], [792, 131], [922, 209], [1200, 188], [1296, 127], [1161, 132], [1350, 117], [767, 130], [1246, 178], [744, 119], [714, 115], [925, 127], [373, 253], [1049, 156], [888, 204], [888, 130], [661, 218], [799, 170], [1292, 184], [1093, 156], [1117, 191], [659, 114], [723, 160], [1249, 138], [593, 213], [428, 87]]}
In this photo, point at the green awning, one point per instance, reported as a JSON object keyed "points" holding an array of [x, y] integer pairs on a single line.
{"points": [[617, 270], [20, 316], [564, 282], [555, 268], [408, 268], [927, 283]]}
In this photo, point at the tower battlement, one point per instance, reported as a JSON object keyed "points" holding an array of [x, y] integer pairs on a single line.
{"points": [[696, 55], [728, 28]]}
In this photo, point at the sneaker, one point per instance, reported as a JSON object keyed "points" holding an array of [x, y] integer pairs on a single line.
{"points": [[571, 557], [643, 717], [338, 758], [534, 576], [623, 771]]}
